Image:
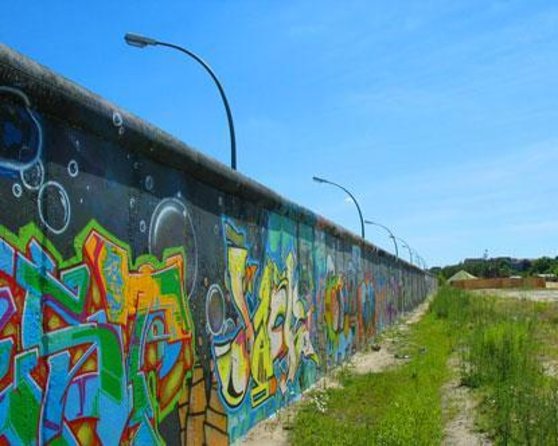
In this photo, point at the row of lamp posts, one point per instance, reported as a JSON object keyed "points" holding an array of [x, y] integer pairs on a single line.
{"points": [[414, 257], [140, 41]]}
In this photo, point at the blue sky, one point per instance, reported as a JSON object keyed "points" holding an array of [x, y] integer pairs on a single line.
{"points": [[440, 116]]}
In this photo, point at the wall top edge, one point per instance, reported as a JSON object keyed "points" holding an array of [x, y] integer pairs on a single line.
{"points": [[61, 98]]}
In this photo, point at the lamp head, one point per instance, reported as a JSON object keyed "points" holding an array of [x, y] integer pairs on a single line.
{"points": [[138, 41], [319, 180]]}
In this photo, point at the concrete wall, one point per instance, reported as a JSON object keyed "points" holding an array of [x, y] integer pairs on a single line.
{"points": [[148, 294]]}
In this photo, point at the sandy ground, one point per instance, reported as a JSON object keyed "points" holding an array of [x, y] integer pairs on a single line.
{"points": [[275, 430], [550, 294], [378, 361]]}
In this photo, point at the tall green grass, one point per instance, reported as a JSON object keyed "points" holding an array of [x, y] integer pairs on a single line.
{"points": [[501, 343]]}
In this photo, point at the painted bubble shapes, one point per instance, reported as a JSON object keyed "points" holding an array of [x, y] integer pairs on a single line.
{"points": [[73, 168], [54, 207], [20, 132], [171, 225], [215, 309], [33, 176], [17, 191]]}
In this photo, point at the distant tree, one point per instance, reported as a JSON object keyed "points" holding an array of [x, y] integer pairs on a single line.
{"points": [[544, 265], [503, 267]]}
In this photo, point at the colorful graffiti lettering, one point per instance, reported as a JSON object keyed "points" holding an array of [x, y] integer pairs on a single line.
{"points": [[337, 319], [94, 349], [259, 357], [365, 311]]}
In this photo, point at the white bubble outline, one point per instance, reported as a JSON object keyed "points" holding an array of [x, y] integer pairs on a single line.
{"points": [[17, 187], [65, 195], [26, 183], [149, 183], [73, 162], [152, 230], [17, 166], [214, 288], [117, 119]]}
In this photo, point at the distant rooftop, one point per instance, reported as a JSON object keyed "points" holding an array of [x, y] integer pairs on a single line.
{"points": [[461, 275]]}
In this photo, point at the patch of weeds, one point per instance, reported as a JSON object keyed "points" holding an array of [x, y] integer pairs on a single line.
{"points": [[320, 399], [344, 373], [502, 344], [398, 406], [501, 358]]}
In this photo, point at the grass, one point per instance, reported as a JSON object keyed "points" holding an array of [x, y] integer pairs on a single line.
{"points": [[503, 345], [398, 406], [503, 357]]}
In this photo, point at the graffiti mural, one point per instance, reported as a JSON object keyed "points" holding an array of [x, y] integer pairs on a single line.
{"points": [[93, 347], [146, 301], [337, 319], [264, 353]]}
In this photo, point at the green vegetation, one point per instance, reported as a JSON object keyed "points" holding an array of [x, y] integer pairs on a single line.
{"points": [[500, 267], [398, 406], [505, 347]]}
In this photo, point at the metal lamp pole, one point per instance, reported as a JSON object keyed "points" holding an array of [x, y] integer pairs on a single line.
{"points": [[406, 245], [142, 41], [391, 236], [323, 180], [422, 262]]}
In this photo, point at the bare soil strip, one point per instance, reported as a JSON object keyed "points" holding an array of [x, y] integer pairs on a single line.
{"points": [[458, 407], [550, 294]]}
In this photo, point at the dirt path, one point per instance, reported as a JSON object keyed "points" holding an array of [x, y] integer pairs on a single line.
{"points": [[390, 343], [275, 430], [458, 409]]}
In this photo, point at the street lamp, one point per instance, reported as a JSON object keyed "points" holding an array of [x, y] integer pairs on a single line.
{"points": [[142, 41], [406, 245], [422, 262], [323, 180], [391, 236]]}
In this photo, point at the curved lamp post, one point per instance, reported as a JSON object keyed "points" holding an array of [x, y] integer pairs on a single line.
{"points": [[406, 245], [323, 180], [142, 41], [422, 262], [419, 260], [391, 236]]}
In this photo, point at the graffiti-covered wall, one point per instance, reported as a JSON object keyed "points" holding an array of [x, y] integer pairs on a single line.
{"points": [[149, 295]]}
